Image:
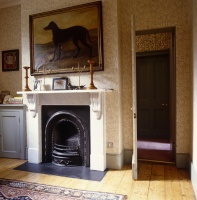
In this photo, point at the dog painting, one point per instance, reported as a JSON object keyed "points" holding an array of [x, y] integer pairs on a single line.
{"points": [[76, 33], [61, 40]]}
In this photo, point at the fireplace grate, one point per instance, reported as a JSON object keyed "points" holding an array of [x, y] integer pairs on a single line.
{"points": [[63, 155]]}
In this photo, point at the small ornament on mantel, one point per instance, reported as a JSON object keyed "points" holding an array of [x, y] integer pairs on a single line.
{"points": [[79, 71], [91, 86], [26, 79], [43, 88]]}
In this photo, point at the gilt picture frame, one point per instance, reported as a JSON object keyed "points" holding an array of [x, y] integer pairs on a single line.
{"points": [[60, 40], [10, 60]]}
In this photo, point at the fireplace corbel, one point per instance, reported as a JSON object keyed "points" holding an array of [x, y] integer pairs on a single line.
{"points": [[32, 103], [96, 103]]}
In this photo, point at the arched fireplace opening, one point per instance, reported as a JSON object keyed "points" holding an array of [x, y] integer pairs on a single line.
{"points": [[66, 135]]}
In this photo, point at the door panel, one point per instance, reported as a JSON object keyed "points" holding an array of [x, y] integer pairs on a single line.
{"points": [[9, 134], [153, 96]]}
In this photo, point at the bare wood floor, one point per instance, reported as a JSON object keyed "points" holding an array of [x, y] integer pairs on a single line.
{"points": [[156, 181]]}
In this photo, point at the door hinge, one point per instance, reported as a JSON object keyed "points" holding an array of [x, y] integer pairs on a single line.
{"points": [[135, 115]]}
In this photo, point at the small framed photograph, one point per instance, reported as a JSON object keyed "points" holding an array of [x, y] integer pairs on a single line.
{"points": [[60, 84], [10, 60], [37, 85]]}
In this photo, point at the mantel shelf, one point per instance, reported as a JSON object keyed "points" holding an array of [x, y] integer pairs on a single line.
{"points": [[64, 91], [95, 98]]}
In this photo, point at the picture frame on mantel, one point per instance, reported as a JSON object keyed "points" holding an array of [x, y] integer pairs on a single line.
{"points": [[10, 60], [60, 83], [60, 40]]}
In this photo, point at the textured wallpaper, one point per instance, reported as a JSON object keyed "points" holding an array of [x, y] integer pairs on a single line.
{"points": [[117, 58], [151, 15], [10, 38], [153, 42]]}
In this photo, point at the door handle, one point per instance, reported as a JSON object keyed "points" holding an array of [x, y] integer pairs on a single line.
{"points": [[164, 104]]}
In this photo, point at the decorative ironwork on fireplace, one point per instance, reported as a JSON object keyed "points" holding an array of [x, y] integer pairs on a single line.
{"points": [[66, 135]]}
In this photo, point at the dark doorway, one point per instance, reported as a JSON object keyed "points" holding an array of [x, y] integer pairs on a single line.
{"points": [[153, 106], [153, 96]]}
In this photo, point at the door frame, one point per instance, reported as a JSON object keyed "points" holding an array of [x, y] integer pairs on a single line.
{"points": [[172, 76], [134, 100]]}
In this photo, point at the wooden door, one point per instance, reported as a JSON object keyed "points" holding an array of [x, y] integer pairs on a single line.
{"points": [[153, 96], [9, 135]]}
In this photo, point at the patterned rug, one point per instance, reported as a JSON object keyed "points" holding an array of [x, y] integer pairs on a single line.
{"points": [[20, 190]]}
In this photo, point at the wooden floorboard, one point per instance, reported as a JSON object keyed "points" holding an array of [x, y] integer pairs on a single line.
{"points": [[155, 181]]}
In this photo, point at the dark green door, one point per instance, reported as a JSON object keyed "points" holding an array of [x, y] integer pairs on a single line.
{"points": [[153, 96]]}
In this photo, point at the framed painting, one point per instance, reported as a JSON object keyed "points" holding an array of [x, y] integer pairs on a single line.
{"points": [[63, 39], [10, 60]]}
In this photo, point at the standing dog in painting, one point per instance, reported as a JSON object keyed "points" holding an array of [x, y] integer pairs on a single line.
{"points": [[75, 33]]}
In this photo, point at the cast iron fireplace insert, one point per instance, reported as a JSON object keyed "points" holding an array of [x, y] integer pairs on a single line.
{"points": [[66, 135]]}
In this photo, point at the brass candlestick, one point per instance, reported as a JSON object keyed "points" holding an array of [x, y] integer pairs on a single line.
{"points": [[26, 79], [91, 86]]}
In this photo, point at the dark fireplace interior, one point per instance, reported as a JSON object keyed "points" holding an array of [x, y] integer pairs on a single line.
{"points": [[66, 135]]}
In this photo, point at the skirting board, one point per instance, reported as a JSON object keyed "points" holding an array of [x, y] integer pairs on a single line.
{"points": [[182, 160], [128, 156], [115, 161], [194, 179]]}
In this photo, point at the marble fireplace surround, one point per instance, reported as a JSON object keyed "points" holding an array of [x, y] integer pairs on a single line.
{"points": [[94, 98]]}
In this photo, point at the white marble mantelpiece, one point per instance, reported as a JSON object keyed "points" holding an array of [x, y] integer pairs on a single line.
{"points": [[94, 98]]}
